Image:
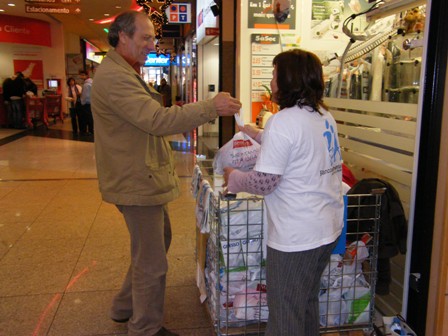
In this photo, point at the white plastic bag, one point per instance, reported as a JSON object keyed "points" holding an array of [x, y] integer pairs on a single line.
{"points": [[241, 152]]}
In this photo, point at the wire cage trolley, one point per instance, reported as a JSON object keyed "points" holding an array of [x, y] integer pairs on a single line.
{"points": [[235, 276]]}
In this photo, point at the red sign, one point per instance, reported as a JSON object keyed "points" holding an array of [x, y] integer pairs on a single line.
{"points": [[31, 68], [212, 31], [17, 29]]}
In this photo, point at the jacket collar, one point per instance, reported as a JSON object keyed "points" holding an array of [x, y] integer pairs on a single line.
{"points": [[117, 58]]}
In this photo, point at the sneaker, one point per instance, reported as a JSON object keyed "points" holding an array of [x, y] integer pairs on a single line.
{"points": [[165, 332]]}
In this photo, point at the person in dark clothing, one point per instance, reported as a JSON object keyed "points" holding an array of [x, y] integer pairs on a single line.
{"points": [[165, 89], [17, 104], [30, 85], [7, 87]]}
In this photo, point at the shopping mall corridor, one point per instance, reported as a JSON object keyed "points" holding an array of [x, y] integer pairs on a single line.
{"points": [[64, 252]]}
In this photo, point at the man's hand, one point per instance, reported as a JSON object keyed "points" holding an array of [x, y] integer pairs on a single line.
{"points": [[226, 105]]}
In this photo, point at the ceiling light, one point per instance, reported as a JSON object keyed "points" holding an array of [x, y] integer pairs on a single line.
{"points": [[2, 10], [106, 14], [11, 5], [91, 19], [118, 7]]}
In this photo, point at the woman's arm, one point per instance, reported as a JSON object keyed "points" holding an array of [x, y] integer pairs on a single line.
{"points": [[252, 182], [254, 132]]}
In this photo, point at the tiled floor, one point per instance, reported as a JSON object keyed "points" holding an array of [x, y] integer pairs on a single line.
{"points": [[64, 252]]}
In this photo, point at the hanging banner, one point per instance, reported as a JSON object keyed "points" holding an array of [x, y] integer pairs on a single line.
{"points": [[17, 29], [179, 13]]}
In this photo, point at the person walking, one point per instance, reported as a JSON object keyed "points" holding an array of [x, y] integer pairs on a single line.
{"points": [[135, 164], [299, 170]]}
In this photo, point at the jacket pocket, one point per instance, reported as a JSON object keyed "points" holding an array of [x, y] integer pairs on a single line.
{"points": [[159, 161], [158, 152]]}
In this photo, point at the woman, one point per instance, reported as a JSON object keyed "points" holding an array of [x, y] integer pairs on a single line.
{"points": [[299, 172], [74, 97]]}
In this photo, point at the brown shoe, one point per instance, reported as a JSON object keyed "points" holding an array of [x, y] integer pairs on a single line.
{"points": [[165, 332]]}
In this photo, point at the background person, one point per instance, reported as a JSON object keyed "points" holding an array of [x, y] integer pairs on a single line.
{"points": [[299, 172], [86, 103], [74, 97], [135, 164], [16, 101], [165, 90]]}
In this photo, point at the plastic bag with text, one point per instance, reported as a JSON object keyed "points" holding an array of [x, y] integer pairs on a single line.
{"points": [[241, 152]]}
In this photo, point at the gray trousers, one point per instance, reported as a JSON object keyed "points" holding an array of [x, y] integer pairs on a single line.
{"points": [[142, 296], [293, 282]]}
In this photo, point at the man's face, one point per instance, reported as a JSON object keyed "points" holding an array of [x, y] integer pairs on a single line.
{"points": [[137, 48]]}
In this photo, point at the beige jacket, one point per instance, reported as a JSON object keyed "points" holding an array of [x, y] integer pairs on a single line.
{"points": [[134, 161]]}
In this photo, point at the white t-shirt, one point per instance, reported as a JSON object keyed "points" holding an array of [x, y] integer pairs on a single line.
{"points": [[305, 211]]}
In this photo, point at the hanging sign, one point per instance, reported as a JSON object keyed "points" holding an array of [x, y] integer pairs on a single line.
{"points": [[49, 9], [266, 15], [179, 13]]}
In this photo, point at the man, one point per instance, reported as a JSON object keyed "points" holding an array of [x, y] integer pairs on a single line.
{"points": [[135, 164], [87, 124], [165, 90]]}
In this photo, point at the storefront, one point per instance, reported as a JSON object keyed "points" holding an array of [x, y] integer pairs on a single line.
{"points": [[388, 102]]}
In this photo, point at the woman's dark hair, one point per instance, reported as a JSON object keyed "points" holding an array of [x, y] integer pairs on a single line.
{"points": [[68, 80], [125, 22], [299, 79]]}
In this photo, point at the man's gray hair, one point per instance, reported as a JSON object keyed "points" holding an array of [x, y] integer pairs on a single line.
{"points": [[125, 22]]}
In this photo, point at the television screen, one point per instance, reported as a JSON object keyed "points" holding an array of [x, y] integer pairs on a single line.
{"points": [[90, 53], [52, 84]]}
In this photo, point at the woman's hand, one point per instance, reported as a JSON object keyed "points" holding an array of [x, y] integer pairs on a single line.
{"points": [[227, 172]]}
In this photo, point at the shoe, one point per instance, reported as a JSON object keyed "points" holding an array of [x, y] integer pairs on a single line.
{"points": [[165, 332], [125, 320]]}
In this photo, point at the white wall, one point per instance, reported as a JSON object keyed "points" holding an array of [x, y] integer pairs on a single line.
{"points": [[208, 71]]}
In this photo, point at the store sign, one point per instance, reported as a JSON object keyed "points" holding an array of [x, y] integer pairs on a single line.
{"points": [[160, 61], [49, 9], [205, 19], [179, 13], [212, 31], [17, 29]]}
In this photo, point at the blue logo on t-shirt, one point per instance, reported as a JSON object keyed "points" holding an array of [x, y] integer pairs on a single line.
{"points": [[332, 143]]}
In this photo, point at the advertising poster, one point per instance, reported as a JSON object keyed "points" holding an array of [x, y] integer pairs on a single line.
{"points": [[74, 64], [327, 17], [264, 47], [32, 69], [275, 14]]}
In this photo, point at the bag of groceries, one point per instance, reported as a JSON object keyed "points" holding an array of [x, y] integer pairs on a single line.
{"points": [[241, 152]]}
